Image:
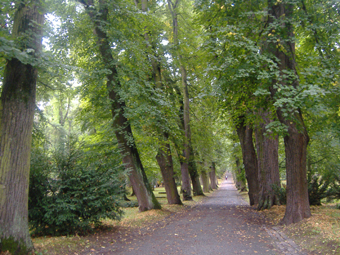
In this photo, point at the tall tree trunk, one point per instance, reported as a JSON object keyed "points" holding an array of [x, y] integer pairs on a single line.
{"points": [[188, 150], [245, 134], [122, 128], [212, 175], [268, 162], [189, 162], [164, 160], [297, 139], [16, 122], [186, 185], [164, 155]]}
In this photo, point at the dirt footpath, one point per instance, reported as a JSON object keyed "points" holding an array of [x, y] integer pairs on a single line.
{"points": [[222, 223]]}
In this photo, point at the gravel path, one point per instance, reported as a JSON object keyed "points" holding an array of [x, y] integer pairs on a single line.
{"points": [[222, 223]]}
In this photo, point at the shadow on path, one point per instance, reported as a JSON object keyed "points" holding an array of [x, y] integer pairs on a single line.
{"points": [[222, 223]]}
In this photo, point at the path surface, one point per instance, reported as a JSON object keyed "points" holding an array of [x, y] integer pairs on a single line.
{"points": [[222, 224]]}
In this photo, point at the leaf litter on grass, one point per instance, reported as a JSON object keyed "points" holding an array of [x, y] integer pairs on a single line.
{"points": [[319, 234]]}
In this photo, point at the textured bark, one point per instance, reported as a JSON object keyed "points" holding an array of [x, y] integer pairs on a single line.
{"points": [[164, 160], [195, 178], [186, 186], [297, 139], [122, 128], [16, 122], [245, 134], [268, 164], [212, 175], [240, 180]]}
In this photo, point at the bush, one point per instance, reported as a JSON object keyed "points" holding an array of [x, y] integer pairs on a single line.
{"points": [[280, 193], [318, 188], [335, 190], [69, 193]]}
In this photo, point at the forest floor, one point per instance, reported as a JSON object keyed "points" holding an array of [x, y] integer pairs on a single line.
{"points": [[219, 223]]}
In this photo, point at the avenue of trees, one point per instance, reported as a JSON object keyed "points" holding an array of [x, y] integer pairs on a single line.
{"points": [[98, 95]]}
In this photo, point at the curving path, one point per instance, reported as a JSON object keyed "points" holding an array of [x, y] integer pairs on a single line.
{"points": [[222, 224]]}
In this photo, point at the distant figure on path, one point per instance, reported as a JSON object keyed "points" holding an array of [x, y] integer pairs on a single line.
{"points": [[226, 177]]}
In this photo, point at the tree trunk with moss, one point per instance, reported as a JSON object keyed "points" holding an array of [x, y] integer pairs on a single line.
{"points": [[164, 160], [16, 122], [245, 134], [296, 139], [122, 128], [212, 175], [268, 162], [239, 176]]}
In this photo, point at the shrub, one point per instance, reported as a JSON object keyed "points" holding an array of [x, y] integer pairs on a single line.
{"points": [[70, 193], [318, 188], [335, 189], [280, 193]]}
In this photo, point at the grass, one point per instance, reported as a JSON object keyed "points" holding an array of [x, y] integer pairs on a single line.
{"points": [[132, 219], [319, 234]]}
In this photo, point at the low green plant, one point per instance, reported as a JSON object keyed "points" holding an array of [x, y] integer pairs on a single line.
{"points": [[281, 194], [318, 188], [70, 192]]}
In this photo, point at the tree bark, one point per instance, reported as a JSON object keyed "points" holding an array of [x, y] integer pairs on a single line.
{"points": [[297, 139], [245, 134], [240, 180], [186, 186], [164, 160], [16, 122], [205, 180], [268, 164], [122, 128], [212, 175]]}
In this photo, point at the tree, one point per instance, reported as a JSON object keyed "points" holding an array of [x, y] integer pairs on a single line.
{"points": [[164, 155], [268, 165], [296, 139], [121, 125], [16, 122], [188, 154], [245, 134]]}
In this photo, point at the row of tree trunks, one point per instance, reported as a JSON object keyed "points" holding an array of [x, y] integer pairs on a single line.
{"points": [[16, 122], [146, 198], [296, 141]]}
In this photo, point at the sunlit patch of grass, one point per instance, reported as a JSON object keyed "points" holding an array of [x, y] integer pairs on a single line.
{"points": [[319, 234], [59, 245]]}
